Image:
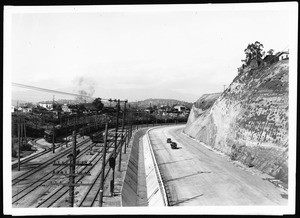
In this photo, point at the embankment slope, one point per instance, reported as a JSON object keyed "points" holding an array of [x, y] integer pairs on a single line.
{"points": [[249, 120]]}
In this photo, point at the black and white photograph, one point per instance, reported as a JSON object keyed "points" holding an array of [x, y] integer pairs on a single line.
{"points": [[150, 109]]}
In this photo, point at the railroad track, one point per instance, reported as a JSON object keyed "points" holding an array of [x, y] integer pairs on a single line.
{"points": [[91, 194], [29, 173], [51, 195], [32, 157], [89, 198], [60, 193], [43, 180], [57, 194]]}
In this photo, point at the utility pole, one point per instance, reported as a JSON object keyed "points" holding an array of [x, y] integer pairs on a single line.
{"points": [[24, 125], [19, 144], [72, 164], [103, 166], [53, 129], [113, 158], [123, 123], [120, 152], [66, 132], [21, 129], [129, 125]]}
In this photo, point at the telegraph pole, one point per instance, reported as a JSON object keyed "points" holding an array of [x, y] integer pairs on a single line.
{"points": [[103, 167], [113, 158], [53, 129], [123, 122], [72, 164], [19, 145], [25, 132], [120, 152], [129, 125], [66, 133], [21, 129]]}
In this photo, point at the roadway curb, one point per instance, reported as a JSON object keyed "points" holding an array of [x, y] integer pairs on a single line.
{"points": [[157, 170]]}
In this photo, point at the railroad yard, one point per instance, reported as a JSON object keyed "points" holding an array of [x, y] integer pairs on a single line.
{"points": [[41, 183]]}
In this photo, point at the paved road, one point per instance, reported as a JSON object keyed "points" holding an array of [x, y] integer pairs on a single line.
{"points": [[195, 175]]}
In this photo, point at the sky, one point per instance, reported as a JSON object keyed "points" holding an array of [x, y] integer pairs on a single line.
{"points": [[136, 53]]}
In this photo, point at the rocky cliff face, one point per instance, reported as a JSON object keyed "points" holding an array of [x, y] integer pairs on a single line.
{"points": [[201, 105], [249, 120]]}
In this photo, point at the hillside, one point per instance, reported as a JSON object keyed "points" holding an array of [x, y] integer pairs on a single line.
{"points": [[201, 105], [249, 120], [154, 101]]}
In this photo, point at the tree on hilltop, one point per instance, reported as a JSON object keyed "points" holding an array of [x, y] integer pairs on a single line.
{"points": [[271, 52], [254, 51]]}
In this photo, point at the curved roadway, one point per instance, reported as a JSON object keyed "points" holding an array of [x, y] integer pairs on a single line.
{"points": [[195, 175]]}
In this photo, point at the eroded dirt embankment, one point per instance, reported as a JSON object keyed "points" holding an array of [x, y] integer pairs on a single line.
{"points": [[249, 121]]}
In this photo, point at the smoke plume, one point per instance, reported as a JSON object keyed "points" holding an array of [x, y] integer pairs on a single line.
{"points": [[84, 86]]}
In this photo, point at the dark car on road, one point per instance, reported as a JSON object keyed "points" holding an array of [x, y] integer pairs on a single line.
{"points": [[169, 140], [173, 145]]}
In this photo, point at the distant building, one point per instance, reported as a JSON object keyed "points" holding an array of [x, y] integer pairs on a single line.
{"points": [[149, 110], [46, 105], [27, 110], [89, 107], [164, 113], [165, 107], [65, 108], [270, 59], [180, 108], [283, 55], [12, 109]]}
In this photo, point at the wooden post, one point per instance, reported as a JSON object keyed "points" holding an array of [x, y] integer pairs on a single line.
{"points": [[71, 180], [19, 146], [53, 138], [120, 152], [115, 148], [21, 133], [25, 133], [66, 133], [72, 169], [103, 167], [72, 164], [123, 123]]}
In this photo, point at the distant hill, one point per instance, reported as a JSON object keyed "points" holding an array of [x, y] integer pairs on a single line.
{"points": [[158, 102], [18, 102]]}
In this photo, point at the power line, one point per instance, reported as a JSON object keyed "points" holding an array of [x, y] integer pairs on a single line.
{"points": [[59, 92], [47, 90]]}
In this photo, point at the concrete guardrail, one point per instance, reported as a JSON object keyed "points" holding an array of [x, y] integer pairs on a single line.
{"points": [[156, 193]]}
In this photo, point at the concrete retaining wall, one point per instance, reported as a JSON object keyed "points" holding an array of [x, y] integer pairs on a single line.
{"points": [[129, 190], [155, 189]]}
